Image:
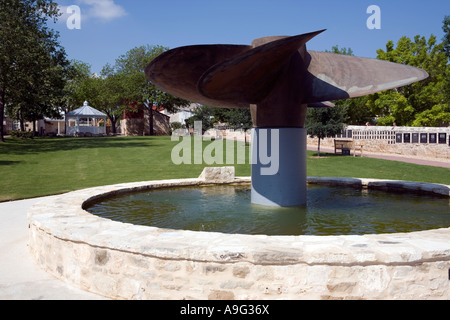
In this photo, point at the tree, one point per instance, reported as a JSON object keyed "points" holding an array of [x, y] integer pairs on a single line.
{"points": [[325, 122], [112, 94], [205, 115], [438, 116], [237, 118], [32, 63], [104, 92], [131, 65], [446, 42], [346, 51], [121, 85], [446, 39], [43, 93], [78, 72], [407, 104]]}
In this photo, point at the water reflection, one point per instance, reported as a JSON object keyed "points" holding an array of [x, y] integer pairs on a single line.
{"points": [[228, 209]]}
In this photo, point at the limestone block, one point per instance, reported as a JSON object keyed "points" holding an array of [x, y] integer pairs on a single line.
{"points": [[218, 175]]}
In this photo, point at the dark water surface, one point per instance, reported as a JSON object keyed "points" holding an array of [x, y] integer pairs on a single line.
{"points": [[228, 209]]}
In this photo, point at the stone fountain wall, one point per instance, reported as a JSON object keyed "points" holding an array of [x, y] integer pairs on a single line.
{"points": [[123, 261]]}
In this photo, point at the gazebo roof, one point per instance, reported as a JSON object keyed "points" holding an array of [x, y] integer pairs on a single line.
{"points": [[86, 110]]}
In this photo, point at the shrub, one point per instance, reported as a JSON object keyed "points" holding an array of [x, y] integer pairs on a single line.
{"points": [[22, 134]]}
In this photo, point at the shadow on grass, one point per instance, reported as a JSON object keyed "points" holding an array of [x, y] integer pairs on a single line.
{"points": [[313, 154], [9, 163], [39, 145]]}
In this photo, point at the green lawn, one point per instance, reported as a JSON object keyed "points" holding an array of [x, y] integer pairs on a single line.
{"points": [[45, 166]]}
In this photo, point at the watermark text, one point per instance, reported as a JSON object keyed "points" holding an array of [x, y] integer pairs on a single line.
{"points": [[374, 21], [74, 19], [264, 150]]}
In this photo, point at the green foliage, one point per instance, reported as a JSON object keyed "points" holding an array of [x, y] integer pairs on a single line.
{"points": [[177, 125], [438, 116], [325, 122], [356, 110], [425, 103], [22, 134], [120, 86], [209, 116], [205, 114], [74, 94], [234, 118], [393, 105], [33, 65], [446, 39], [414, 102], [130, 67], [346, 51]]}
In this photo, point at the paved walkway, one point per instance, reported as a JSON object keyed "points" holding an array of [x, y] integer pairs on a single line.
{"points": [[22, 279], [415, 160]]}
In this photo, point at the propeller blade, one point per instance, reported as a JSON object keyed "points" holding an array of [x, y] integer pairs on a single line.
{"points": [[325, 104], [251, 76], [177, 71], [335, 76]]}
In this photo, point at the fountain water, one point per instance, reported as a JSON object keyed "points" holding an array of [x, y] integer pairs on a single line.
{"points": [[330, 210]]}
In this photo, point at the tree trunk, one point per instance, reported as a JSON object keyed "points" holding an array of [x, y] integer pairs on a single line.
{"points": [[150, 119], [21, 121], [2, 112], [113, 125], [65, 122], [318, 149], [34, 128]]}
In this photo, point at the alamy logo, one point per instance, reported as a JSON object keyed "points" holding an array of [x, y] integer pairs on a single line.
{"points": [[74, 20], [374, 21], [264, 150]]}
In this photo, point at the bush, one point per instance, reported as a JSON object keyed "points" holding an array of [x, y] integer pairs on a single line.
{"points": [[22, 134], [177, 125]]}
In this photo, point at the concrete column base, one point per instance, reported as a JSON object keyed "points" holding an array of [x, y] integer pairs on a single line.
{"points": [[279, 167]]}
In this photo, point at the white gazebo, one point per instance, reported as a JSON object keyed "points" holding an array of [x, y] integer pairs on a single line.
{"points": [[86, 121]]}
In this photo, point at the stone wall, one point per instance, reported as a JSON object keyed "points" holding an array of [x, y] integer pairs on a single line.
{"points": [[141, 126], [408, 141], [119, 274]]}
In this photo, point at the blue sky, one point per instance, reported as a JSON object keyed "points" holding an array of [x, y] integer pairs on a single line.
{"points": [[109, 28]]}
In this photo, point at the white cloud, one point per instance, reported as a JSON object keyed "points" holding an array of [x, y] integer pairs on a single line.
{"points": [[103, 9], [83, 10]]}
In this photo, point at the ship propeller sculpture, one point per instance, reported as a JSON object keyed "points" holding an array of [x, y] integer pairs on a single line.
{"points": [[278, 79]]}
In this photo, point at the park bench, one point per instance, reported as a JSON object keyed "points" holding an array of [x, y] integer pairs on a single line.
{"points": [[343, 146]]}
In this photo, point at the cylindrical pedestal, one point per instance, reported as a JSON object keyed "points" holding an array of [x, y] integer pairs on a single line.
{"points": [[279, 167]]}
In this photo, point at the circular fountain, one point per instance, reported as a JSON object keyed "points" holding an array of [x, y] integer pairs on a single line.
{"points": [[330, 210], [278, 79], [127, 261]]}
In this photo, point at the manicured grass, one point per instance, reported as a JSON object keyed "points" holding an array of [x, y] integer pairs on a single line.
{"points": [[32, 168], [39, 167], [341, 166]]}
